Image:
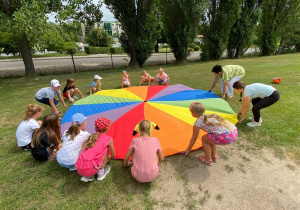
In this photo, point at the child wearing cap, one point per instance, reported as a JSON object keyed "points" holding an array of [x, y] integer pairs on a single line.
{"points": [[146, 154], [46, 96], [95, 153], [95, 84], [125, 79], [73, 139]]}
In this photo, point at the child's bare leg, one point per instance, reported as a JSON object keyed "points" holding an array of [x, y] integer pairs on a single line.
{"points": [[206, 147], [213, 150], [72, 92], [105, 160]]}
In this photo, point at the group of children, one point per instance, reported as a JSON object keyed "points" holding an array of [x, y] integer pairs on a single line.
{"points": [[77, 149], [160, 78], [87, 153]]}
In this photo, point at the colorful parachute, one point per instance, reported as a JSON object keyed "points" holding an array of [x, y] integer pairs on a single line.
{"points": [[167, 106]]}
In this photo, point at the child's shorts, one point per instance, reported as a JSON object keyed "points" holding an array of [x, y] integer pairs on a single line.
{"points": [[65, 95], [88, 172], [46, 101], [224, 138], [165, 80]]}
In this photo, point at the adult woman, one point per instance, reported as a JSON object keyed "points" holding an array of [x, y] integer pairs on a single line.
{"points": [[261, 96], [229, 75]]}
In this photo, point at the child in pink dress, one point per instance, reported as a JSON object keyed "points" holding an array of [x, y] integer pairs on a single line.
{"points": [[146, 154], [125, 79], [95, 153]]}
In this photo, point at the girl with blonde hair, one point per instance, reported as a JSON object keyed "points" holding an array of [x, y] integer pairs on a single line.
{"points": [[146, 154], [219, 132], [95, 153], [27, 127]]}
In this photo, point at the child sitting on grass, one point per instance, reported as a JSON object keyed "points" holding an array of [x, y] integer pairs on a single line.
{"points": [[27, 127], [95, 84], [73, 139], [45, 140], [125, 79], [46, 96], [146, 78], [146, 154], [70, 90], [95, 153], [219, 132]]}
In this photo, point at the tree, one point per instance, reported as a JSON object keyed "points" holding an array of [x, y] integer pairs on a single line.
{"points": [[25, 21], [138, 23], [215, 27], [277, 16], [98, 37], [242, 32], [71, 48], [180, 19]]}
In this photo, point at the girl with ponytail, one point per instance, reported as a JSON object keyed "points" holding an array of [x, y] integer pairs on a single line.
{"points": [[73, 139], [219, 132]]}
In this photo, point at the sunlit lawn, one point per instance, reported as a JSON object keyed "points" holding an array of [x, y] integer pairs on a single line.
{"points": [[26, 183]]}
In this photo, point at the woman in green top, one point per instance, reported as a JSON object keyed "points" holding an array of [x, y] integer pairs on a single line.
{"points": [[229, 75]]}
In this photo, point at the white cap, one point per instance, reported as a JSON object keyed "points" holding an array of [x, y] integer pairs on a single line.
{"points": [[55, 83], [97, 77]]}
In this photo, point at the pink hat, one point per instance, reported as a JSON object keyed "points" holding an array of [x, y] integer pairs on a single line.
{"points": [[102, 123]]}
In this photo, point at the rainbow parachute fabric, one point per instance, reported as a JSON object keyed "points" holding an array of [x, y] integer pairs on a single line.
{"points": [[166, 106]]}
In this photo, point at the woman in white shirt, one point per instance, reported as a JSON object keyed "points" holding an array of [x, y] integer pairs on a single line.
{"points": [[73, 139], [261, 96]]}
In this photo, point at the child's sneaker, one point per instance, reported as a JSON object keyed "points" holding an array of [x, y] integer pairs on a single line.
{"points": [[102, 173], [75, 97], [252, 119], [87, 179], [73, 169], [254, 124]]}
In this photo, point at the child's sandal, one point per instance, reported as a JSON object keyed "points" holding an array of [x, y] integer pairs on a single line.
{"points": [[215, 159], [204, 160]]}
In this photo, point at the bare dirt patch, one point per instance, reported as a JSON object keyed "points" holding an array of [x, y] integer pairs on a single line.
{"points": [[243, 178]]}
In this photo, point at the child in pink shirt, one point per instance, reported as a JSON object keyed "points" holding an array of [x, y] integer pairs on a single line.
{"points": [[146, 154], [95, 153]]}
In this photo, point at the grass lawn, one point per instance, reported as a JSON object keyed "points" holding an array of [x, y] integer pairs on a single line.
{"points": [[28, 184]]}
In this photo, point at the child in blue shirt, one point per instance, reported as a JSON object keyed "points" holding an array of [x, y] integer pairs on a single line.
{"points": [[95, 84]]}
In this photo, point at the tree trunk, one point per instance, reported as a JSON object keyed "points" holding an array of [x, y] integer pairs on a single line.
{"points": [[156, 47], [27, 57], [278, 52], [238, 53], [133, 58]]}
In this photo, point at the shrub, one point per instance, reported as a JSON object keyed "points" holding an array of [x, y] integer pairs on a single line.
{"points": [[197, 48], [104, 50], [165, 46], [70, 47], [192, 45]]}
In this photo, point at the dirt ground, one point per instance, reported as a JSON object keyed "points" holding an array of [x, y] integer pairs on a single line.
{"points": [[244, 177]]}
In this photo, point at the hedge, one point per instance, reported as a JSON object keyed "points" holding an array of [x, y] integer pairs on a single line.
{"points": [[104, 50]]}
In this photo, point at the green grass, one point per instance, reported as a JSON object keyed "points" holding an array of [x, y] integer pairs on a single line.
{"points": [[26, 183]]}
